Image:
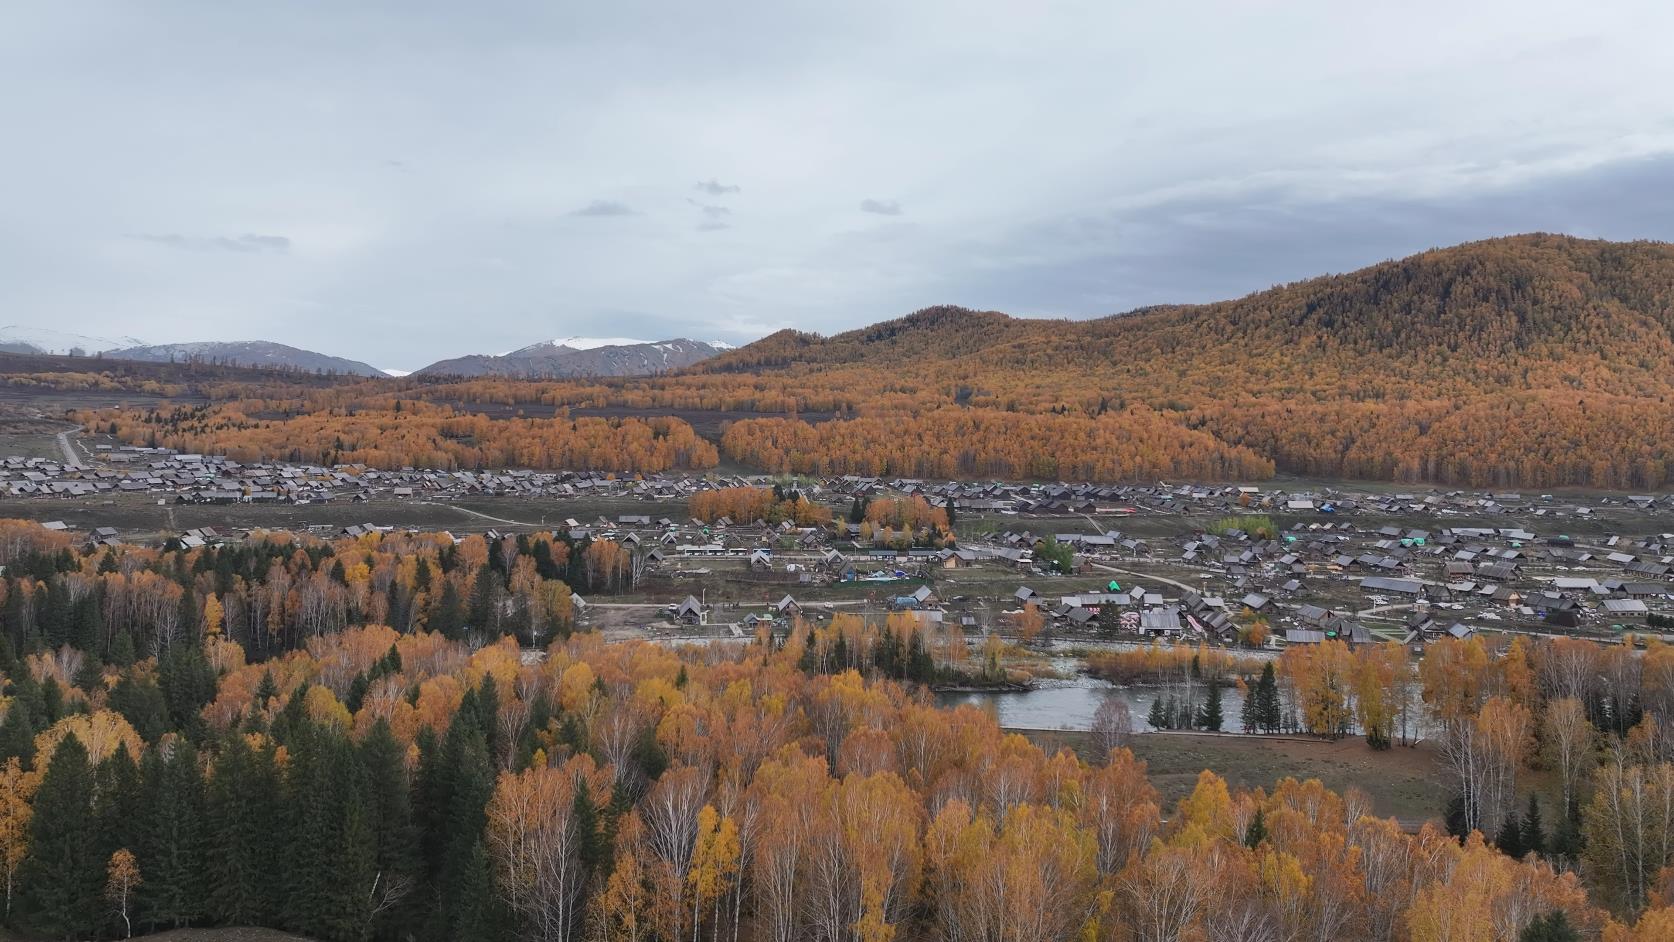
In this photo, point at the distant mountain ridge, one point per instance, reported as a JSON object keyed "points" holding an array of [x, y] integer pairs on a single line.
{"points": [[260, 353], [19, 339], [582, 356]]}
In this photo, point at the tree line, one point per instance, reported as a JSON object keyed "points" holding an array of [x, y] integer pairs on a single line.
{"points": [[629, 791]]}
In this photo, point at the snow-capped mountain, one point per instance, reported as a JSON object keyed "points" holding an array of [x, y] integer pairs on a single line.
{"points": [[583, 356], [245, 353], [593, 343], [19, 339]]}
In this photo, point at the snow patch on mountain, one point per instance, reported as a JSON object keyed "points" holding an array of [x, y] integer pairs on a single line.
{"points": [[46, 340], [581, 356], [593, 343]]}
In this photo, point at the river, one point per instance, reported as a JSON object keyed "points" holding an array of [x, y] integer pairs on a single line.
{"points": [[1071, 702]]}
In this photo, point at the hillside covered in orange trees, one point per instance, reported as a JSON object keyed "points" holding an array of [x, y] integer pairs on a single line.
{"points": [[1525, 361]]}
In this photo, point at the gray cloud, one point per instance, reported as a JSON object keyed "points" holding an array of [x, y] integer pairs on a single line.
{"points": [[1114, 155], [1200, 248], [712, 211], [248, 242], [605, 208]]}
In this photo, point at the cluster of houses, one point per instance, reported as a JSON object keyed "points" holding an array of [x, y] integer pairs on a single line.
{"points": [[1324, 577], [213, 479], [1046, 499], [1321, 580]]}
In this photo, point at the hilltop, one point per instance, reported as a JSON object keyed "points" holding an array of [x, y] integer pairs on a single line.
{"points": [[581, 356], [258, 353]]}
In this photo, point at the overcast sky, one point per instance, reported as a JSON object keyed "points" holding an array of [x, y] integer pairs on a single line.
{"points": [[406, 180]]}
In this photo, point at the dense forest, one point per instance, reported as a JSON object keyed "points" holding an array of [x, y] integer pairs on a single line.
{"points": [[392, 433], [1525, 361], [351, 780]]}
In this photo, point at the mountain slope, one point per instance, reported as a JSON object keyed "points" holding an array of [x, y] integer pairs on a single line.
{"points": [[576, 356], [20, 339], [1497, 313], [261, 353], [1529, 361], [1526, 361]]}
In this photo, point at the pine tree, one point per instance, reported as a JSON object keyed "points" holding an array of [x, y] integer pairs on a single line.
{"points": [[1567, 839], [85, 625], [1454, 816], [1248, 712], [429, 801], [1158, 717], [1210, 716], [17, 733], [469, 911], [171, 851], [1534, 834], [389, 814], [1552, 927], [318, 783], [357, 693], [52, 701], [143, 705], [355, 873], [292, 720], [187, 682], [463, 884], [488, 714], [120, 802], [1257, 831], [448, 618], [1510, 838], [242, 797], [60, 879], [920, 667], [122, 652], [595, 849], [1270, 709], [486, 596]]}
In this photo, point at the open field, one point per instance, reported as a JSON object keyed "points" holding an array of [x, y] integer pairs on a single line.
{"points": [[1404, 783], [31, 437], [140, 516], [706, 422]]}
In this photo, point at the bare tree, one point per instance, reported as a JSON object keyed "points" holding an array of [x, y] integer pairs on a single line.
{"points": [[1112, 724], [1569, 744]]}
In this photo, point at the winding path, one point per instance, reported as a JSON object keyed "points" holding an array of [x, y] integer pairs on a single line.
{"points": [[1145, 575], [70, 458], [478, 513]]}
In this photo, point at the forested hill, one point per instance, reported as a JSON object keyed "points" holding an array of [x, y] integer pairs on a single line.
{"points": [[1504, 309], [1528, 360]]}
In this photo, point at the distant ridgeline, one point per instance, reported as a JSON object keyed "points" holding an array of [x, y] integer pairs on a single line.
{"points": [[1528, 361]]}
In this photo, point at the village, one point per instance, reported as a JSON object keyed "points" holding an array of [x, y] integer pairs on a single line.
{"points": [[1048, 564]]}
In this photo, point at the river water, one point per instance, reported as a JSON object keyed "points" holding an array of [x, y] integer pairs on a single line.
{"points": [[1070, 703]]}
